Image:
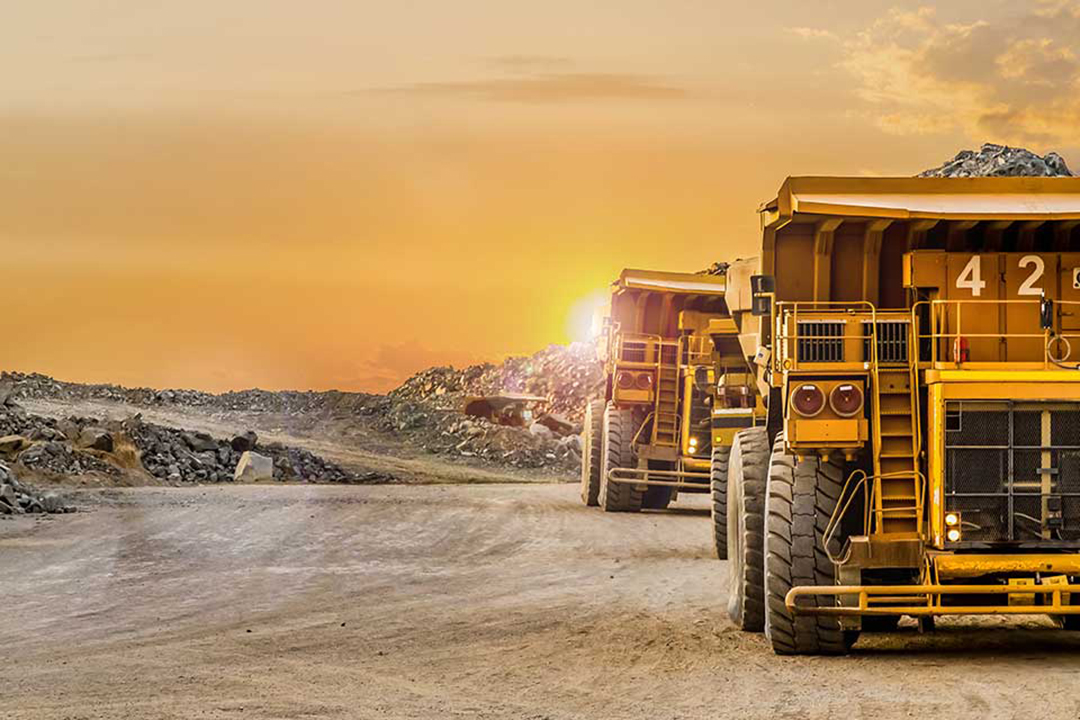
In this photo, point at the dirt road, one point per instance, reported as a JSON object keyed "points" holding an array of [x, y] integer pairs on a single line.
{"points": [[477, 601]]}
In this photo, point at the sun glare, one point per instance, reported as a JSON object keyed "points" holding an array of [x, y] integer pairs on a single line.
{"points": [[586, 316]]}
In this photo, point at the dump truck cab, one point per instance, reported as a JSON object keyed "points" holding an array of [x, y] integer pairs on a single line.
{"points": [[914, 339], [652, 433]]}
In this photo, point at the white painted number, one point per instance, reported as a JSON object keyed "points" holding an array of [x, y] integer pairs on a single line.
{"points": [[971, 277], [1028, 286]]}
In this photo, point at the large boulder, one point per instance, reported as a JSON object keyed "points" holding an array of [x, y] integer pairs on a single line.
{"points": [[12, 445], [200, 442], [253, 467], [245, 442], [95, 438]]}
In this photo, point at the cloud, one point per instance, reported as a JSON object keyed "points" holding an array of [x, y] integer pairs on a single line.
{"points": [[1013, 79], [808, 33], [553, 88], [530, 63]]}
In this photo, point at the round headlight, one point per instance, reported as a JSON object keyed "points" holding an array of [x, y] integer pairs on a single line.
{"points": [[807, 399], [644, 381], [953, 535], [846, 399], [626, 380]]}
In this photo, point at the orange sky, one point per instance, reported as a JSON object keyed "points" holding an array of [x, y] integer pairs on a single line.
{"points": [[339, 193]]}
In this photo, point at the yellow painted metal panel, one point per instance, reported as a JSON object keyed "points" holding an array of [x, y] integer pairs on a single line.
{"points": [[973, 565], [935, 443]]}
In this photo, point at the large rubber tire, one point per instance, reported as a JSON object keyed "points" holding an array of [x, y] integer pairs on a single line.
{"points": [[618, 453], [747, 469], [592, 452], [801, 498], [718, 472]]}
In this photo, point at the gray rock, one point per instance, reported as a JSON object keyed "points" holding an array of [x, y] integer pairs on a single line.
{"points": [[12, 445], [541, 430], [245, 442], [1001, 161], [95, 438], [200, 442], [53, 503], [252, 467]]}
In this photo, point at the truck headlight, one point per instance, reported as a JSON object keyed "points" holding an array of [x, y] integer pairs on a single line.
{"points": [[808, 400], [846, 399]]}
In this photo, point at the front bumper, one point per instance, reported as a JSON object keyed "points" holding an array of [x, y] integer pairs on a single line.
{"points": [[682, 479], [1048, 598]]}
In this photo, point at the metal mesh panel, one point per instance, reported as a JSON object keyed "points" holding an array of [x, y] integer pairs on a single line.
{"points": [[1007, 464], [892, 341], [821, 341], [977, 470]]}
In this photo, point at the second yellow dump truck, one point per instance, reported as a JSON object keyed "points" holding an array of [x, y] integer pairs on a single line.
{"points": [[917, 344], [660, 426]]}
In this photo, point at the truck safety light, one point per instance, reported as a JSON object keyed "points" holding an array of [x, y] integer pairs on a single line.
{"points": [[644, 381], [626, 380], [846, 399], [953, 534], [808, 400]]}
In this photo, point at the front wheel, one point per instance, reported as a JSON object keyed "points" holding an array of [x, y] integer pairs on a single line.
{"points": [[592, 452], [748, 463], [800, 500], [618, 453], [718, 472]]}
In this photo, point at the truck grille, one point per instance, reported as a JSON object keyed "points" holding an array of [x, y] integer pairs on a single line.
{"points": [[1013, 472], [892, 341], [821, 341]]}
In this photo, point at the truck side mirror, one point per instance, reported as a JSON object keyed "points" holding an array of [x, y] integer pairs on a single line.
{"points": [[762, 287], [1046, 313], [761, 306], [762, 284]]}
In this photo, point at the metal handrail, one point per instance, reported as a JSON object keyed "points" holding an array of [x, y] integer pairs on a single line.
{"points": [[658, 342], [939, 311]]}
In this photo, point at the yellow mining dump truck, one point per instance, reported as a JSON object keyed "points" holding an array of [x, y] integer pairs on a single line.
{"points": [[918, 341], [666, 342]]}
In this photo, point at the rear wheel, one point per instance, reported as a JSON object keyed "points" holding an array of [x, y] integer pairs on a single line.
{"points": [[800, 500], [718, 472], [592, 452], [618, 453], [747, 468]]}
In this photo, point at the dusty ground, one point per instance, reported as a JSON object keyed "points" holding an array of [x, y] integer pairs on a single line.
{"points": [[486, 601]]}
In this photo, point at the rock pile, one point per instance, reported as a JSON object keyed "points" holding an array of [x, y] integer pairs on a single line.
{"points": [[565, 375], [78, 446], [179, 455], [446, 432], [426, 411], [37, 386], [17, 498], [1001, 161]]}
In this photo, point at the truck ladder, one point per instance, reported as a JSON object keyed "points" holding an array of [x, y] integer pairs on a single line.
{"points": [[666, 418], [897, 485]]}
